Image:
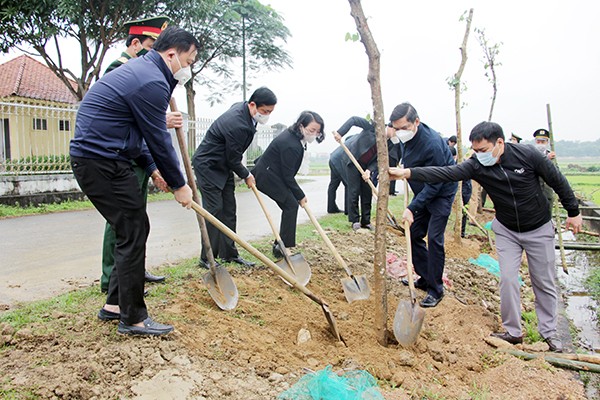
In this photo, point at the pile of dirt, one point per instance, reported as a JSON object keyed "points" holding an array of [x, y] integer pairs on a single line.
{"points": [[254, 351]]}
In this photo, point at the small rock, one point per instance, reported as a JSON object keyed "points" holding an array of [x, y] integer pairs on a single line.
{"points": [[275, 377], [303, 336], [406, 358], [24, 333], [6, 329], [312, 362], [282, 370], [215, 376]]}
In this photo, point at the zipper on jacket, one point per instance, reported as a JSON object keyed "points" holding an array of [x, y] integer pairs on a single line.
{"points": [[513, 196]]}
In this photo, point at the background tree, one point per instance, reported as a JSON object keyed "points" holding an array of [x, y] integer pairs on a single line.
{"points": [[37, 27], [457, 86], [379, 263], [490, 51], [229, 31]]}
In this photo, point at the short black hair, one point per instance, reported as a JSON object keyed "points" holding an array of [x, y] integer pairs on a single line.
{"points": [[404, 110], [141, 38], [489, 131], [263, 96], [305, 118], [452, 139], [175, 37]]}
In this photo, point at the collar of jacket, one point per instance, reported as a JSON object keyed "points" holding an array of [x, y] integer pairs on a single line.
{"points": [[157, 59]]}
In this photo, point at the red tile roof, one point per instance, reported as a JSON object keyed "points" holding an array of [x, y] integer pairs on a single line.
{"points": [[26, 77]]}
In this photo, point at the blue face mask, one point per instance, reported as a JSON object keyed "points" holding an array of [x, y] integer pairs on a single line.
{"points": [[487, 159]]}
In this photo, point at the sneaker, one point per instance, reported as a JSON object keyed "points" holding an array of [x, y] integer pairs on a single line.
{"points": [[356, 226]]}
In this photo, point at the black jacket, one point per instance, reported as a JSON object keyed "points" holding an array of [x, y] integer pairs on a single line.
{"points": [[276, 169], [223, 146], [363, 143], [426, 149], [512, 184]]}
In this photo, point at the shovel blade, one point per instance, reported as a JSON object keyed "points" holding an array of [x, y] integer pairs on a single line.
{"points": [[300, 269], [356, 289], [331, 320], [221, 288], [408, 322]]}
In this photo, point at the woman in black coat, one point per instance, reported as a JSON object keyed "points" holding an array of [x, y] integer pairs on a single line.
{"points": [[276, 169]]}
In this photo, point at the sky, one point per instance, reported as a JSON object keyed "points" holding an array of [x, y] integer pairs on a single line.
{"points": [[549, 55]]}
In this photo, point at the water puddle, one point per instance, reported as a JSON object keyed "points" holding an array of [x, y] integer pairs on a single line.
{"points": [[580, 307]]}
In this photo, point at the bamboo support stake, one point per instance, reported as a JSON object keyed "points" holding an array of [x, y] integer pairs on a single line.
{"points": [[563, 258], [555, 360]]}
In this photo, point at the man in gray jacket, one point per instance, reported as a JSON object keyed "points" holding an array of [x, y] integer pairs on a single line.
{"points": [[510, 174]]}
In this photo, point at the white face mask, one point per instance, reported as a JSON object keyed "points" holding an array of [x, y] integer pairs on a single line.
{"points": [[542, 147], [308, 136], [405, 135], [487, 158], [184, 74], [261, 118], [394, 140]]}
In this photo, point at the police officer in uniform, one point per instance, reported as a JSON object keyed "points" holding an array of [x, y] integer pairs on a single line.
{"points": [[141, 37], [542, 142]]}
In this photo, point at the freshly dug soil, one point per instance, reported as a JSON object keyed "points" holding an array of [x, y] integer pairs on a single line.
{"points": [[253, 352]]}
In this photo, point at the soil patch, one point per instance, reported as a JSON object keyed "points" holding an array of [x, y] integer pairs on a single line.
{"points": [[253, 352]]}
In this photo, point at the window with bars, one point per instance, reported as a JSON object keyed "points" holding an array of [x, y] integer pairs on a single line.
{"points": [[40, 124], [64, 125]]}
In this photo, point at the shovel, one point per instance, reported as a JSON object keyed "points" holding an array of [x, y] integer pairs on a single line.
{"points": [[289, 278], [218, 281], [294, 265], [390, 216], [409, 315], [355, 287]]}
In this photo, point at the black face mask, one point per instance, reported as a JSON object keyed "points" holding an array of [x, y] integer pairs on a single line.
{"points": [[141, 52]]}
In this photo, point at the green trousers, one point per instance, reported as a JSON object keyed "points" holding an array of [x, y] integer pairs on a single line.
{"points": [[110, 239]]}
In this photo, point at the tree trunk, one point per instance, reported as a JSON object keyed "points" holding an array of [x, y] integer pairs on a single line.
{"points": [[459, 156], [191, 105], [380, 289]]}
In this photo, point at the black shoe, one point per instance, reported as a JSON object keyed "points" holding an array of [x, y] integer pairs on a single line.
{"points": [[150, 328], [241, 261], [334, 211], [153, 278], [106, 315], [419, 283], [205, 265], [430, 301], [554, 344], [146, 291], [277, 253], [507, 337]]}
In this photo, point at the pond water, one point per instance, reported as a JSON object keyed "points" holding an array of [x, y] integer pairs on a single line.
{"points": [[580, 306]]}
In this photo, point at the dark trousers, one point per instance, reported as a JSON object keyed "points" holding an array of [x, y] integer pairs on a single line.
{"points": [[221, 204], [358, 189], [113, 188], [289, 211], [110, 239], [334, 182], [429, 259]]}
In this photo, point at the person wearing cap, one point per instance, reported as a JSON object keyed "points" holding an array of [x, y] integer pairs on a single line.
{"points": [[515, 138], [510, 174], [542, 143], [217, 157], [364, 150], [430, 208], [122, 119], [141, 37]]}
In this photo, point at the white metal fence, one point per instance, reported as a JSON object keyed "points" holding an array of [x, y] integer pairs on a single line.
{"points": [[35, 139]]}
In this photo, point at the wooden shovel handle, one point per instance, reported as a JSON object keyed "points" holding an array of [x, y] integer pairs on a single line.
{"points": [[337, 256], [409, 262], [187, 164]]}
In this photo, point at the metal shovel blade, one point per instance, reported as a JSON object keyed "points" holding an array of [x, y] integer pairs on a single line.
{"points": [[408, 322], [356, 287], [221, 288], [299, 270]]}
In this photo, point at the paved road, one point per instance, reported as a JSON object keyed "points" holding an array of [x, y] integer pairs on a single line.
{"points": [[41, 256]]}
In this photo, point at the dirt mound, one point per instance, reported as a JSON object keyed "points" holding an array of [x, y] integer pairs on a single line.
{"points": [[253, 352]]}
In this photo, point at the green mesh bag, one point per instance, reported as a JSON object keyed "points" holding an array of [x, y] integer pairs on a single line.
{"points": [[327, 385]]}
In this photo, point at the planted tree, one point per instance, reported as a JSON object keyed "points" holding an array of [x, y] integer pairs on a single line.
{"points": [[373, 77], [490, 52], [458, 86]]}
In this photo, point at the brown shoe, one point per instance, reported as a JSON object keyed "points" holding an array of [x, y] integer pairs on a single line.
{"points": [[507, 337]]}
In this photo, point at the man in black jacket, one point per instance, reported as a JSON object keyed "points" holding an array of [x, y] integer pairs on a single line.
{"points": [[364, 149], [510, 174], [337, 167], [218, 157]]}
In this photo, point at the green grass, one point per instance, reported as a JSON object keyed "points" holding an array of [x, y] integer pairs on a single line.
{"points": [[530, 323], [587, 185]]}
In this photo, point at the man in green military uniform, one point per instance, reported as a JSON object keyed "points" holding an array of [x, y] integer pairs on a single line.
{"points": [[141, 37]]}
